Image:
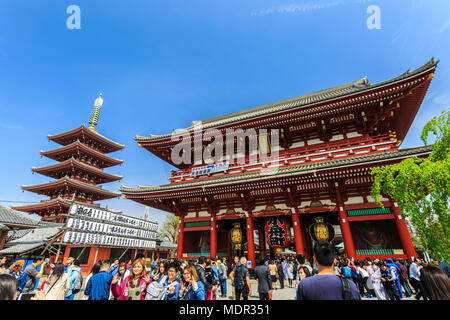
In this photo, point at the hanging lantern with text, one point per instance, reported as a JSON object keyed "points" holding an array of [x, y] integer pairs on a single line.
{"points": [[321, 230], [236, 236], [277, 230]]}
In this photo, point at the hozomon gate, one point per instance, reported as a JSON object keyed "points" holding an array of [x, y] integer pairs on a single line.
{"points": [[329, 141]]}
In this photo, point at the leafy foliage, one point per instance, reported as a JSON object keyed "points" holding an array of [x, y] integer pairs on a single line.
{"points": [[169, 231], [421, 186]]}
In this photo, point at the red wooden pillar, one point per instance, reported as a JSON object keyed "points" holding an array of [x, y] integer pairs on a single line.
{"points": [[345, 226], [180, 238], [298, 236], [262, 241], [213, 238], [403, 231], [250, 240], [3, 235]]}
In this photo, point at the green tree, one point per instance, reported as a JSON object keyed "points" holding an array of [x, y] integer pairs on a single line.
{"points": [[421, 186], [169, 231]]}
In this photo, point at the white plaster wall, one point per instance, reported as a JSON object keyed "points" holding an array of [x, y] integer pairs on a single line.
{"points": [[354, 200], [353, 134]]}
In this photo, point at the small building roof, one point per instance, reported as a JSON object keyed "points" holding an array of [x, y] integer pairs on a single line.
{"points": [[32, 240], [21, 248], [39, 235], [9, 216], [16, 234]]}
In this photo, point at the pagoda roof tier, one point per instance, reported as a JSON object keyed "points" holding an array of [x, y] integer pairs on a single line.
{"points": [[89, 137], [71, 165], [199, 187], [79, 150], [71, 185], [388, 105], [54, 205]]}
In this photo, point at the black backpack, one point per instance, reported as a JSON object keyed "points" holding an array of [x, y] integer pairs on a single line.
{"points": [[346, 292], [239, 278], [210, 276]]}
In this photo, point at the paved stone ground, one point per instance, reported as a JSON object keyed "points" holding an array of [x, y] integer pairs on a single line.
{"points": [[279, 294]]}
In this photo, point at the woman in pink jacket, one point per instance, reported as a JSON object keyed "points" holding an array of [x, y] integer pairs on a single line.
{"points": [[133, 287]]}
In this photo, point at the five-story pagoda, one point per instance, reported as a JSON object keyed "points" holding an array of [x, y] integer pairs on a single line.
{"points": [[78, 173]]}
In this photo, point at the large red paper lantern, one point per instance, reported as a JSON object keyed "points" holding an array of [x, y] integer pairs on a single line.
{"points": [[277, 230]]}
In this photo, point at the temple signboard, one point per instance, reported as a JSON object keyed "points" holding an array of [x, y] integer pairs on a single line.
{"points": [[97, 226]]}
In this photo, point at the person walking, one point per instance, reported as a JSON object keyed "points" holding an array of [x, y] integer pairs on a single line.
{"points": [[216, 277], [414, 278], [57, 284], [388, 279], [378, 288], [211, 280], [99, 285], [280, 274], [404, 278], [397, 271], [94, 270], [133, 287], [262, 274], [240, 277], [290, 274], [435, 283], [325, 285], [222, 270], [273, 273]]}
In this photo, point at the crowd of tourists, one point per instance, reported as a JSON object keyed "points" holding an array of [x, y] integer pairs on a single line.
{"points": [[329, 277]]}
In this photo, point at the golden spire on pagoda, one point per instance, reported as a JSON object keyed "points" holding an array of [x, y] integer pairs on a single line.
{"points": [[93, 121]]}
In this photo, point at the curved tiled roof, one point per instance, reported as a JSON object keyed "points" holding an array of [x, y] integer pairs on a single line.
{"points": [[3, 227], [285, 171], [39, 235], [301, 101], [73, 162], [77, 144], [93, 134], [10, 216], [22, 248], [62, 181], [16, 234]]}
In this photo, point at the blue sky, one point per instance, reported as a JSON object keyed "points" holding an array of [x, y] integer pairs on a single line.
{"points": [[161, 64]]}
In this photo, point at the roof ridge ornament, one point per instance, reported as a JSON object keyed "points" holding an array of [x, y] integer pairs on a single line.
{"points": [[93, 121]]}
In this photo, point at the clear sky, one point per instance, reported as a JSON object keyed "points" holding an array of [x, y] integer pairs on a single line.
{"points": [[162, 64]]}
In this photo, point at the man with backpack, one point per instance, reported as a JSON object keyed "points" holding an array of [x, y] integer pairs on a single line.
{"points": [[222, 278], [75, 279], [240, 277], [211, 280], [200, 269], [325, 285]]}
